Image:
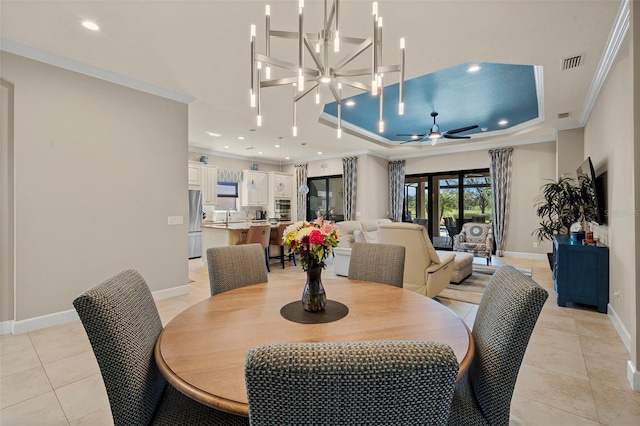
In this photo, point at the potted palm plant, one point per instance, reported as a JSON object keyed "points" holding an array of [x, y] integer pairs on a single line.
{"points": [[562, 203]]}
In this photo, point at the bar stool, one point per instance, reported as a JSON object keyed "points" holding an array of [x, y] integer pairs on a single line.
{"points": [[260, 234], [276, 240]]}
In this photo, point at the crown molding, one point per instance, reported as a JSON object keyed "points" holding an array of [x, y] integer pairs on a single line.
{"points": [[29, 52], [616, 37]]}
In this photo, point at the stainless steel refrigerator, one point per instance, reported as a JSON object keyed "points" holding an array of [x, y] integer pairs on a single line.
{"points": [[195, 223]]}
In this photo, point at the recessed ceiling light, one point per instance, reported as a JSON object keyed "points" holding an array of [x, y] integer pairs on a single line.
{"points": [[226, 146], [319, 152], [503, 122], [260, 152], [277, 146], [414, 136], [90, 25], [484, 129], [474, 68], [350, 103], [287, 158], [241, 138], [215, 135]]}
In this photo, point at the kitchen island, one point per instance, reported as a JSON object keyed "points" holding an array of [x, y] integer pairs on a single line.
{"points": [[224, 235]]}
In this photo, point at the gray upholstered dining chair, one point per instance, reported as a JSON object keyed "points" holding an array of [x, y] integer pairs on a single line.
{"points": [[349, 383], [380, 263], [235, 266], [508, 311], [122, 322]]}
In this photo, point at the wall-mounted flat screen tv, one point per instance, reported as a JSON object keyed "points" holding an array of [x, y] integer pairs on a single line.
{"points": [[592, 190]]}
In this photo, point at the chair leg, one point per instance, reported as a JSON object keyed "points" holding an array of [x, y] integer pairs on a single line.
{"points": [[294, 259], [282, 256], [266, 256], [488, 260]]}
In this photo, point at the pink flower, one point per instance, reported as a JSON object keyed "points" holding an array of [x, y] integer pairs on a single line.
{"points": [[328, 228], [316, 237]]}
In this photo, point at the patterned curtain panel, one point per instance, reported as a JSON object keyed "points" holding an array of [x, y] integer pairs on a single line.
{"points": [[396, 189], [349, 179], [229, 176], [301, 179], [500, 194]]}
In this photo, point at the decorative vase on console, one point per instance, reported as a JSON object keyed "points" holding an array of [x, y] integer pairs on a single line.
{"points": [[312, 242]]}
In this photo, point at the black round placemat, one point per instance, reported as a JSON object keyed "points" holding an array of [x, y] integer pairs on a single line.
{"points": [[333, 311]]}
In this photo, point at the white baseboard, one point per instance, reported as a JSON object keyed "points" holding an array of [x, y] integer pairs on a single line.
{"points": [[170, 292], [523, 255], [6, 327], [624, 334], [44, 321], [633, 376], [57, 318]]}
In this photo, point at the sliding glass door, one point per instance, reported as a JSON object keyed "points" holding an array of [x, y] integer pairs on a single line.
{"points": [[457, 197]]}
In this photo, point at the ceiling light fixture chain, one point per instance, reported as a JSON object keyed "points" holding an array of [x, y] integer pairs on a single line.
{"points": [[323, 74]]}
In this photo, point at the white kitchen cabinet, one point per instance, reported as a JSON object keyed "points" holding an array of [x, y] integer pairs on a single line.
{"points": [[194, 174], [209, 185], [281, 185], [258, 197]]}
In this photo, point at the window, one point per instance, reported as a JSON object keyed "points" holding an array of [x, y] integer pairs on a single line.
{"points": [[227, 196], [325, 198]]}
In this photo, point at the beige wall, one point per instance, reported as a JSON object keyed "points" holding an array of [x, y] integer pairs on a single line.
{"points": [[531, 165], [609, 141], [569, 152], [98, 168]]}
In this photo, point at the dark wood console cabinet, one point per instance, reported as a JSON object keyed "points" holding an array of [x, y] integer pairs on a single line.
{"points": [[580, 273]]}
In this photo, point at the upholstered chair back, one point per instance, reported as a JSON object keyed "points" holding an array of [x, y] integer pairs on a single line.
{"points": [[380, 263], [350, 383], [122, 322], [506, 316], [476, 232], [260, 234], [235, 266]]}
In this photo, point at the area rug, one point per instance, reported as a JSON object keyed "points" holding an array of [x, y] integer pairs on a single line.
{"points": [[470, 290]]}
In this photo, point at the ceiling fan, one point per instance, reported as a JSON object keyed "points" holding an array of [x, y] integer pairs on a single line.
{"points": [[435, 133]]}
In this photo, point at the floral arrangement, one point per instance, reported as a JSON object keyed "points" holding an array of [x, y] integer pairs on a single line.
{"points": [[312, 242]]}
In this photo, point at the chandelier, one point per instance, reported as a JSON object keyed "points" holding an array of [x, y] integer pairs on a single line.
{"points": [[322, 73]]}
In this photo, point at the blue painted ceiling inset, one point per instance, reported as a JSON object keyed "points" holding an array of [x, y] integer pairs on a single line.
{"points": [[461, 98]]}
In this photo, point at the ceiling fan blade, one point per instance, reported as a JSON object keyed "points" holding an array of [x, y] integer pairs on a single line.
{"points": [[455, 137], [461, 129]]}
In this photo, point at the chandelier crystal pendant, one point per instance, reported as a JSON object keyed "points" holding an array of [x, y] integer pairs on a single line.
{"points": [[323, 73]]}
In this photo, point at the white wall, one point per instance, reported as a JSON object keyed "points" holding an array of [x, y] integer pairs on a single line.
{"points": [[98, 168], [609, 141], [531, 165], [569, 152]]}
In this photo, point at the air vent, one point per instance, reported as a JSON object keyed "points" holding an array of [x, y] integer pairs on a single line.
{"points": [[572, 62], [564, 115]]}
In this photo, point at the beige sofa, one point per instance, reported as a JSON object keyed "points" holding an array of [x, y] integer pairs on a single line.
{"points": [[424, 271], [365, 231]]}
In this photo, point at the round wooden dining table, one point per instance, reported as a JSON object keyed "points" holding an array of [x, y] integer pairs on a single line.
{"points": [[202, 350]]}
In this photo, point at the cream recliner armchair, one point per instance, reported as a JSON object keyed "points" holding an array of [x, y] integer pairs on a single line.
{"points": [[424, 271]]}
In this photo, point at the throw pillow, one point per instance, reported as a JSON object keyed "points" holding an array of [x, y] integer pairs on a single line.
{"points": [[371, 237], [359, 237]]}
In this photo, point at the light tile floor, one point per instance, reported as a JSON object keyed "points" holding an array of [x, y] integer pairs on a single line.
{"points": [[574, 371]]}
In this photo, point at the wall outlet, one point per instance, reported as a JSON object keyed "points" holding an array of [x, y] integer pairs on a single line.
{"points": [[535, 244], [175, 220]]}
